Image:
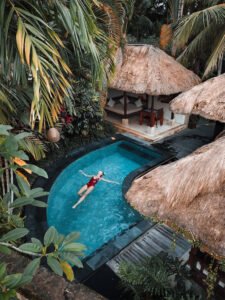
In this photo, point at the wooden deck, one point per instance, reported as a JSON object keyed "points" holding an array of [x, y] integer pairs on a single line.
{"points": [[158, 238]]}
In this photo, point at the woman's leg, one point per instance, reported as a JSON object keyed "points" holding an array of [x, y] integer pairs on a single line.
{"points": [[88, 191], [83, 189]]}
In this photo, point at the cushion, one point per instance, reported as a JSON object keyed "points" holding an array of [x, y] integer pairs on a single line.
{"points": [[111, 102], [138, 103], [122, 100]]}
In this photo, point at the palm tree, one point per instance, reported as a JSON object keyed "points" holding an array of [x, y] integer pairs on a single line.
{"points": [[42, 43], [195, 36], [147, 17], [175, 13]]}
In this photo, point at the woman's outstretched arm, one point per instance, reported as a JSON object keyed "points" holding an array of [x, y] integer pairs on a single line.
{"points": [[109, 181], [83, 173]]}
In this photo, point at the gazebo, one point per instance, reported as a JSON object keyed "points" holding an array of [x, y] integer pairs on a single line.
{"points": [[145, 70], [189, 192], [189, 195], [206, 99]]}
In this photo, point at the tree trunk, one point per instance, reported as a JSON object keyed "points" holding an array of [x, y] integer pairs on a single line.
{"points": [[180, 9], [180, 12]]}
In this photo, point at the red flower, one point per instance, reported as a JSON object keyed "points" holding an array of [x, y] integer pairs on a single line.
{"points": [[68, 119]]}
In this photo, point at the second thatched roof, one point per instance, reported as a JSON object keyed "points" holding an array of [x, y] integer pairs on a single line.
{"points": [[145, 69], [206, 99], [189, 193]]}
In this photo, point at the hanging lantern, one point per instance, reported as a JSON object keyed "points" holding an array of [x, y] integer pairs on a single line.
{"points": [[53, 135]]}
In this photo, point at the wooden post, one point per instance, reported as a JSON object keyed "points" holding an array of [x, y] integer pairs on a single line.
{"points": [[125, 104], [218, 128], [152, 119], [152, 114], [153, 100], [147, 100]]}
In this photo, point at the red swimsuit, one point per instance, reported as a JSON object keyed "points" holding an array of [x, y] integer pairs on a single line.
{"points": [[92, 182]]}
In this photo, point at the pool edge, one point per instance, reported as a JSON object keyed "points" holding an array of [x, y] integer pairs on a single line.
{"points": [[36, 218]]}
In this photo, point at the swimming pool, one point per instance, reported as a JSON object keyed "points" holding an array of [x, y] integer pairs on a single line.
{"points": [[104, 213]]}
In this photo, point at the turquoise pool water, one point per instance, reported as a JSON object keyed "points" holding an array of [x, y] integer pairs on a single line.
{"points": [[104, 213]]}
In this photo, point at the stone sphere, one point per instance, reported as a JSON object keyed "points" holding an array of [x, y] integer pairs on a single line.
{"points": [[53, 135]]}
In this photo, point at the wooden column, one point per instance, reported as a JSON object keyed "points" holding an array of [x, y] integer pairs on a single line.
{"points": [[152, 113], [153, 101], [125, 104], [218, 128]]}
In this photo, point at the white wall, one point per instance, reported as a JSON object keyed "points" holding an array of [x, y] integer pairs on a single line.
{"points": [[180, 119]]}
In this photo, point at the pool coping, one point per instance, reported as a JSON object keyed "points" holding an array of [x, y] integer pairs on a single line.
{"points": [[36, 218]]}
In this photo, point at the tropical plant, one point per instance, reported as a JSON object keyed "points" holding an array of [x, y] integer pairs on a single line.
{"points": [[42, 46], [146, 18], [157, 277], [175, 11], [195, 36], [61, 252], [86, 112], [9, 283]]}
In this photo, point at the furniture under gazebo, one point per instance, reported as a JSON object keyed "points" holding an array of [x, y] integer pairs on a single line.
{"points": [[143, 71]]}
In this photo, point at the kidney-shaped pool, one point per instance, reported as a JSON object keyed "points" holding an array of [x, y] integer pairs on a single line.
{"points": [[104, 213]]}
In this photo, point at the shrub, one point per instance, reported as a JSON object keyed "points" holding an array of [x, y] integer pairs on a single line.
{"points": [[85, 112], [158, 277]]}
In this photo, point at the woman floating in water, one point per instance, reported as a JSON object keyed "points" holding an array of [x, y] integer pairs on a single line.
{"points": [[88, 188]]}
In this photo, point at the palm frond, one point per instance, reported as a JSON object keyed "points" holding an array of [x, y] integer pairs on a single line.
{"points": [[195, 46], [34, 146], [173, 9], [191, 25], [39, 40], [217, 53], [33, 52]]}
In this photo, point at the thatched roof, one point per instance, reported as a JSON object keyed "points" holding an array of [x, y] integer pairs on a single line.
{"points": [[189, 193], [148, 70], [206, 99]]}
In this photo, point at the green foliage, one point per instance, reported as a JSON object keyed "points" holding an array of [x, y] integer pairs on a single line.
{"points": [[158, 277], [9, 283], [211, 279], [18, 193], [14, 235], [57, 248], [61, 252], [88, 114], [42, 43], [196, 39], [147, 19]]}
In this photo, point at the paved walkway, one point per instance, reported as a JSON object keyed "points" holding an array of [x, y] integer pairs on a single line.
{"points": [[188, 140], [185, 141]]}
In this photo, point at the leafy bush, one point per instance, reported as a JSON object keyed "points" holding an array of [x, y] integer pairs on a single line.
{"points": [[9, 283], [158, 277], [85, 111], [61, 252]]}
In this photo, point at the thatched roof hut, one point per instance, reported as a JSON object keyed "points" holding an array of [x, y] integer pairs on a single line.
{"points": [[189, 193], [145, 69], [206, 99]]}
